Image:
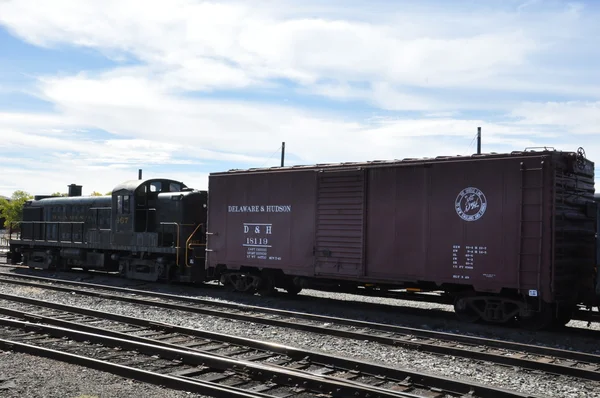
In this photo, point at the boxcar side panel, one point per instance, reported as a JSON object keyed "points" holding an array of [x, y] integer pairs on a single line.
{"points": [[451, 223], [397, 230], [473, 227], [262, 220]]}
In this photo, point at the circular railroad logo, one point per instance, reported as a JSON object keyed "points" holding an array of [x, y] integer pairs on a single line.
{"points": [[470, 204]]}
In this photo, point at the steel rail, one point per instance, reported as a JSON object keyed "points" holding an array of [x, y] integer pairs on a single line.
{"points": [[266, 373], [419, 379], [402, 330], [581, 314], [547, 359], [173, 382]]}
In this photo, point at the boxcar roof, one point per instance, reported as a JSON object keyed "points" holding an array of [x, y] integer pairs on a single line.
{"points": [[406, 161]]}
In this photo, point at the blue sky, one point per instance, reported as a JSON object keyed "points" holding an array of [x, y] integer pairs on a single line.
{"points": [[91, 91]]}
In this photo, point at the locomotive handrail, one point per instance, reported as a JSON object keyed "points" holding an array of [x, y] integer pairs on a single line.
{"points": [[51, 222], [187, 245], [177, 247]]}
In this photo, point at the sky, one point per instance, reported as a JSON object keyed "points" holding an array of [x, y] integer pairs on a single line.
{"points": [[92, 91]]}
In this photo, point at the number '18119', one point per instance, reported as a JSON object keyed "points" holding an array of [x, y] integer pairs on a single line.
{"points": [[257, 241]]}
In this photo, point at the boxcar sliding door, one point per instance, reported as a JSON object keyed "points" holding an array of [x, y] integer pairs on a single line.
{"points": [[340, 223]]}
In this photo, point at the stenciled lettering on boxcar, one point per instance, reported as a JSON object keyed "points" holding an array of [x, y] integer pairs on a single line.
{"points": [[462, 265], [259, 209], [257, 236], [257, 242], [470, 204]]}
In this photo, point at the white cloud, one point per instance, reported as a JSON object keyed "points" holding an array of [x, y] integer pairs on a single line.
{"points": [[37, 178], [142, 110], [443, 62], [192, 45], [573, 116], [170, 130]]}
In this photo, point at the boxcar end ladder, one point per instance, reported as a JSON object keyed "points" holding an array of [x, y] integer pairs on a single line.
{"points": [[531, 226]]}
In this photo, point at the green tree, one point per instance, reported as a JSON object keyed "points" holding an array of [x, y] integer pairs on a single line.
{"points": [[96, 193], [12, 210], [59, 194]]}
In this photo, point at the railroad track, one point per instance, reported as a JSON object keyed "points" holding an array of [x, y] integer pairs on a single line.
{"points": [[250, 358], [582, 314], [546, 359], [407, 296], [202, 371], [56, 343]]}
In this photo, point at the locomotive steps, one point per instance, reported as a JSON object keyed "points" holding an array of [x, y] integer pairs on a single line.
{"points": [[556, 361], [179, 357]]}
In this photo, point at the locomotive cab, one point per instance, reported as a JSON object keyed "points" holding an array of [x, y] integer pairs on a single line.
{"points": [[134, 209], [162, 220]]}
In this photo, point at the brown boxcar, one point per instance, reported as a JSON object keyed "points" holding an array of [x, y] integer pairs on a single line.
{"points": [[508, 235]]}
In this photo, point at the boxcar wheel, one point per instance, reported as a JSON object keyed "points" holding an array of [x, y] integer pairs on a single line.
{"points": [[463, 311], [538, 320], [293, 290], [563, 316], [265, 286]]}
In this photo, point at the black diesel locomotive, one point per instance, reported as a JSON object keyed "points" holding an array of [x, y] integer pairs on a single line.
{"points": [[150, 229]]}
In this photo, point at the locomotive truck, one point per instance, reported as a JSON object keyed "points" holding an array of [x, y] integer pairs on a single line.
{"points": [[508, 236]]}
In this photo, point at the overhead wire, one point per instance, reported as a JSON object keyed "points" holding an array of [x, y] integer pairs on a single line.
{"points": [[473, 140], [269, 158]]}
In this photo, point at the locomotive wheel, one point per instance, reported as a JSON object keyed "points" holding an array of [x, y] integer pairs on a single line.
{"points": [[463, 311]]}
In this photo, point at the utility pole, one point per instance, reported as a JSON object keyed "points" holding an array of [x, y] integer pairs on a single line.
{"points": [[282, 153], [479, 140]]}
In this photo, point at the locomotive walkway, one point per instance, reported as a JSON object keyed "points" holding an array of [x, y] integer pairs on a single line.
{"points": [[551, 360], [206, 362]]}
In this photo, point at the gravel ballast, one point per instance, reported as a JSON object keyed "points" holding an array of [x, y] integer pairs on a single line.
{"points": [[454, 367], [23, 375], [433, 316]]}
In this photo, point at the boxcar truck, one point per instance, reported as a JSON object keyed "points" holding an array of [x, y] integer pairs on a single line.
{"points": [[508, 236]]}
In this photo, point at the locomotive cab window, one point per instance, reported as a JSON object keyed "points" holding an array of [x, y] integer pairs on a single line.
{"points": [[155, 186], [126, 204], [123, 204]]}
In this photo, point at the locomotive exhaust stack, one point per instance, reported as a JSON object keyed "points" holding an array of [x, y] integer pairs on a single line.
{"points": [[74, 190]]}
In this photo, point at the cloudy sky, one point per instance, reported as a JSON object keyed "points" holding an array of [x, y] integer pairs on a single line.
{"points": [[90, 91]]}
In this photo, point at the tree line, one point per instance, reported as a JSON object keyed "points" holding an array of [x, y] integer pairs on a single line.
{"points": [[11, 210]]}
